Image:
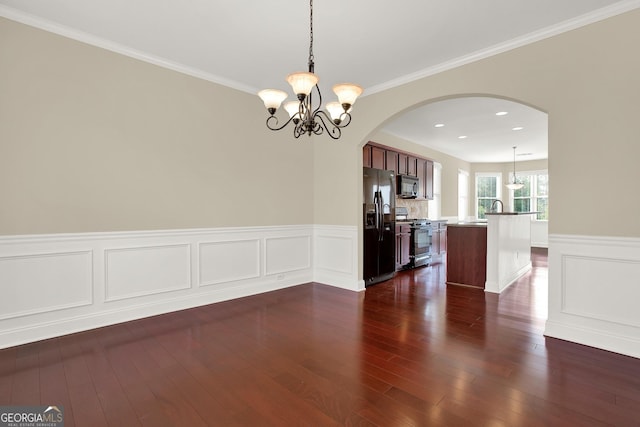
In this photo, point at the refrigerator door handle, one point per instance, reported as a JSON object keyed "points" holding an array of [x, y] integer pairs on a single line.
{"points": [[376, 206], [381, 220]]}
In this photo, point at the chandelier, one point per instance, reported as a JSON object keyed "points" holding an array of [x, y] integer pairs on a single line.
{"points": [[514, 185], [306, 117]]}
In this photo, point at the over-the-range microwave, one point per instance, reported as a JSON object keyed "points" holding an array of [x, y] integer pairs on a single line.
{"points": [[407, 186]]}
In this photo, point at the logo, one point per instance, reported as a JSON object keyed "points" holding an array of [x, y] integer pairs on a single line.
{"points": [[31, 416]]}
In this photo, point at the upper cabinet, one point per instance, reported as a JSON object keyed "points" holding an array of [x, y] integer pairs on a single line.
{"points": [[381, 157], [392, 161], [373, 157], [428, 181]]}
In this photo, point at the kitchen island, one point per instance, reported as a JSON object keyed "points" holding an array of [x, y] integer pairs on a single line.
{"points": [[467, 254], [508, 248], [490, 255]]}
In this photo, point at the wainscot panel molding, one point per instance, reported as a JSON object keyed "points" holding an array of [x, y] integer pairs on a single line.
{"points": [[58, 284], [335, 256], [594, 292]]}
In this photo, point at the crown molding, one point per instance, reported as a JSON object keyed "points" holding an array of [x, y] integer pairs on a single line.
{"points": [[81, 36], [580, 21], [572, 24]]}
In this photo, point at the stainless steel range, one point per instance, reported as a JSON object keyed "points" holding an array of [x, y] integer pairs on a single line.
{"points": [[421, 240]]}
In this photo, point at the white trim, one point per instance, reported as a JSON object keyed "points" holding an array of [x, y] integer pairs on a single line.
{"points": [[65, 283], [572, 24], [594, 291], [335, 256], [74, 34], [499, 184], [580, 21]]}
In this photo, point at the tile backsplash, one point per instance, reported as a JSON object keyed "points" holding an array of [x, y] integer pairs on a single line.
{"points": [[415, 208]]}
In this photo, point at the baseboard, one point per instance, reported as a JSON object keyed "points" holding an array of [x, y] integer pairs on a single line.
{"points": [[494, 287], [604, 340]]}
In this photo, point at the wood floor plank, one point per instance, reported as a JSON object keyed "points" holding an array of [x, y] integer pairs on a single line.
{"points": [[411, 351]]}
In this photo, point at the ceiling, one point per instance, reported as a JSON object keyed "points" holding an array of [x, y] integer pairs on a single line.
{"points": [[379, 44]]}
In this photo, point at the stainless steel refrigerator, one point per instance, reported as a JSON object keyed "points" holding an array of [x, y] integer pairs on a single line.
{"points": [[379, 225]]}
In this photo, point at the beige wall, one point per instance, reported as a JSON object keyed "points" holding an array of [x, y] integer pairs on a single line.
{"points": [[587, 80], [95, 141]]}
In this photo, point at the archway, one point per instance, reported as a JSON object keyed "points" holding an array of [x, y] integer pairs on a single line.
{"points": [[481, 130]]}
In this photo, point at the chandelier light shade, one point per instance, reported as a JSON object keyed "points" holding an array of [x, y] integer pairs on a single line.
{"points": [[515, 185], [302, 83], [306, 116], [347, 94], [272, 99]]}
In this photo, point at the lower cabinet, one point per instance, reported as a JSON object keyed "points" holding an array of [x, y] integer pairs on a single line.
{"points": [[403, 246], [467, 255], [438, 241]]}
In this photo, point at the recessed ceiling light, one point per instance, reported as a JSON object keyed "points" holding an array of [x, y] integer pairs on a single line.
{"points": [[517, 128], [462, 136], [438, 125], [501, 113]]}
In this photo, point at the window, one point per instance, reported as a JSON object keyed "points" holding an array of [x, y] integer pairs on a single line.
{"points": [[435, 206], [463, 195], [488, 189], [534, 196]]}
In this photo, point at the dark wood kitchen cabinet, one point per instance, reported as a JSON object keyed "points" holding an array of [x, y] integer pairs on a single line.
{"points": [[403, 161], [467, 255], [438, 241], [412, 166], [407, 164], [428, 180], [420, 173], [382, 157], [392, 161], [403, 248], [366, 156], [373, 157]]}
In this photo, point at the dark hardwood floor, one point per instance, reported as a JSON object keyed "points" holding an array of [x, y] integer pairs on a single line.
{"points": [[407, 352]]}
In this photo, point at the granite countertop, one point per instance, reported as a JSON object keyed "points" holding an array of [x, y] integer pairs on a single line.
{"points": [[511, 213], [468, 224]]}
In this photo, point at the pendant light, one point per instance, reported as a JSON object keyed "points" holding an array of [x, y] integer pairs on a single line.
{"points": [[306, 117], [514, 185]]}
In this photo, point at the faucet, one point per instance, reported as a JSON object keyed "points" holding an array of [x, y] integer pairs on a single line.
{"points": [[493, 206]]}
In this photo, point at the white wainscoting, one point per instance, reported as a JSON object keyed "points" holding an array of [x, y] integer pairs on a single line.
{"points": [[594, 292], [62, 283], [336, 257]]}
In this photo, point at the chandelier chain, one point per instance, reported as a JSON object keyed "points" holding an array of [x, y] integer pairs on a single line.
{"points": [[311, 58]]}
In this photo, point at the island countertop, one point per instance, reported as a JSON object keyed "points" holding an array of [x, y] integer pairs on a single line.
{"points": [[468, 224], [511, 213]]}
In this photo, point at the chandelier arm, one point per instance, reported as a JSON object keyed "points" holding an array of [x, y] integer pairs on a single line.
{"points": [[345, 119], [317, 109], [343, 123], [275, 126], [332, 129]]}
